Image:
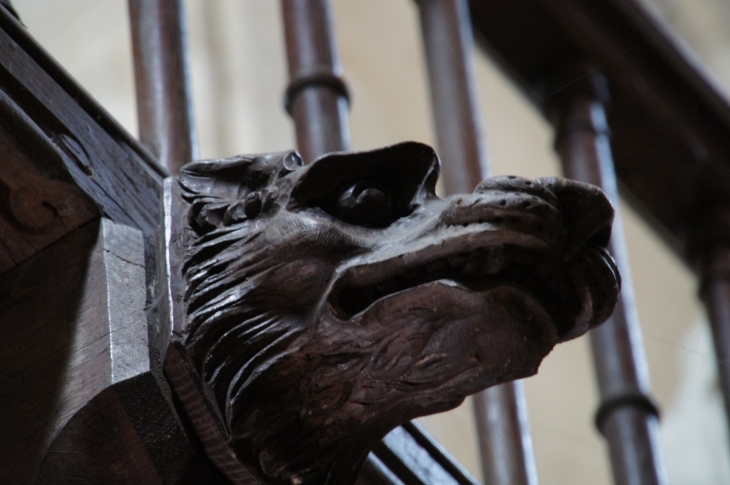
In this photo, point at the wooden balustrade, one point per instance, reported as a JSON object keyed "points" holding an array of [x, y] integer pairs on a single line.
{"points": [[653, 80], [627, 416], [317, 97], [501, 412], [714, 253], [162, 81]]}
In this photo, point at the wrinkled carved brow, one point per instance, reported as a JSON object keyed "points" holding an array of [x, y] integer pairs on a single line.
{"points": [[227, 178]]}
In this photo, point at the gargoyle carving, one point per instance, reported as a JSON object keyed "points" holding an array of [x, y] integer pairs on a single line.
{"points": [[322, 306]]}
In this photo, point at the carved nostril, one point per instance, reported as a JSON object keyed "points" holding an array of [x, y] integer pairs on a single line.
{"points": [[587, 213], [601, 237], [512, 183]]}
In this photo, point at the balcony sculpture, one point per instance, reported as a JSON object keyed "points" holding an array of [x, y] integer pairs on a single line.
{"points": [[309, 310]]}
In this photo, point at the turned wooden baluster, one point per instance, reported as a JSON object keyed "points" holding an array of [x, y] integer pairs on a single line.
{"points": [[715, 289], [449, 46], [162, 81], [501, 411], [317, 98], [627, 416]]}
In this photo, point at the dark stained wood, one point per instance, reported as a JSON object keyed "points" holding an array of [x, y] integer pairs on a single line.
{"points": [[439, 454], [8, 5], [415, 458], [65, 160], [627, 416], [80, 407], [66, 83], [128, 179], [449, 47], [64, 338], [670, 126], [321, 306], [86, 403], [127, 434], [503, 429], [100, 445], [670, 131], [317, 97], [41, 299], [162, 81], [38, 205], [501, 412], [714, 243], [374, 472]]}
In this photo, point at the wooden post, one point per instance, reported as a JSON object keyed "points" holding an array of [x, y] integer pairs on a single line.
{"points": [[501, 411], [317, 97], [503, 425], [162, 80], [715, 290], [317, 100], [627, 416], [449, 45]]}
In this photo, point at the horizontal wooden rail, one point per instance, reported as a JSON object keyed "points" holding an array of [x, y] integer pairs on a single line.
{"points": [[66, 160], [670, 127]]}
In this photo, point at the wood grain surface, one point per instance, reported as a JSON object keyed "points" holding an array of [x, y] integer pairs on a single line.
{"points": [[64, 159], [321, 306]]}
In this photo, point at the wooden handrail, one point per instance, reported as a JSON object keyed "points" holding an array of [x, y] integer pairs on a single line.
{"points": [[670, 125]]}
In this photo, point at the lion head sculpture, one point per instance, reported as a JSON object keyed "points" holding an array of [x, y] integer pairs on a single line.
{"points": [[325, 305]]}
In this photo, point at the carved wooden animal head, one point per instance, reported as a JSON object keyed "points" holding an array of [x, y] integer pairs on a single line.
{"points": [[327, 304]]}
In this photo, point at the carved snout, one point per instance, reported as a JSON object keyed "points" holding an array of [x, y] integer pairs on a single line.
{"points": [[587, 212], [565, 213]]}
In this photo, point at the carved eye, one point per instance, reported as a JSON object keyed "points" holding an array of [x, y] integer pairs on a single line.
{"points": [[363, 203]]}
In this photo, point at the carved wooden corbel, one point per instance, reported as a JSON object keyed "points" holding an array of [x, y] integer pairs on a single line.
{"points": [[307, 311]]}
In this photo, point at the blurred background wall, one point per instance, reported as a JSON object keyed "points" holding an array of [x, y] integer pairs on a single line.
{"points": [[239, 75]]}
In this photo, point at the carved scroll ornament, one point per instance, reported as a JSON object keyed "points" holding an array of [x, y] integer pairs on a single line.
{"points": [[313, 309]]}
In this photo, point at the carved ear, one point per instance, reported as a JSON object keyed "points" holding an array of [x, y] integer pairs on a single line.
{"points": [[228, 190], [232, 178]]}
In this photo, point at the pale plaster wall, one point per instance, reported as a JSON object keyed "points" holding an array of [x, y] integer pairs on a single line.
{"points": [[239, 75]]}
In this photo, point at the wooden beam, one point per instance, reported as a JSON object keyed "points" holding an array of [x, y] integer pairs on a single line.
{"points": [[83, 397], [38, 205], [66, 160], [415, 458]]}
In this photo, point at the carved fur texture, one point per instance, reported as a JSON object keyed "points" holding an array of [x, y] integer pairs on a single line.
{"points": [[327, 304]]}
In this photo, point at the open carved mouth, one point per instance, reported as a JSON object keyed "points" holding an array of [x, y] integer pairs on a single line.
{"points": [[547, 279]]}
